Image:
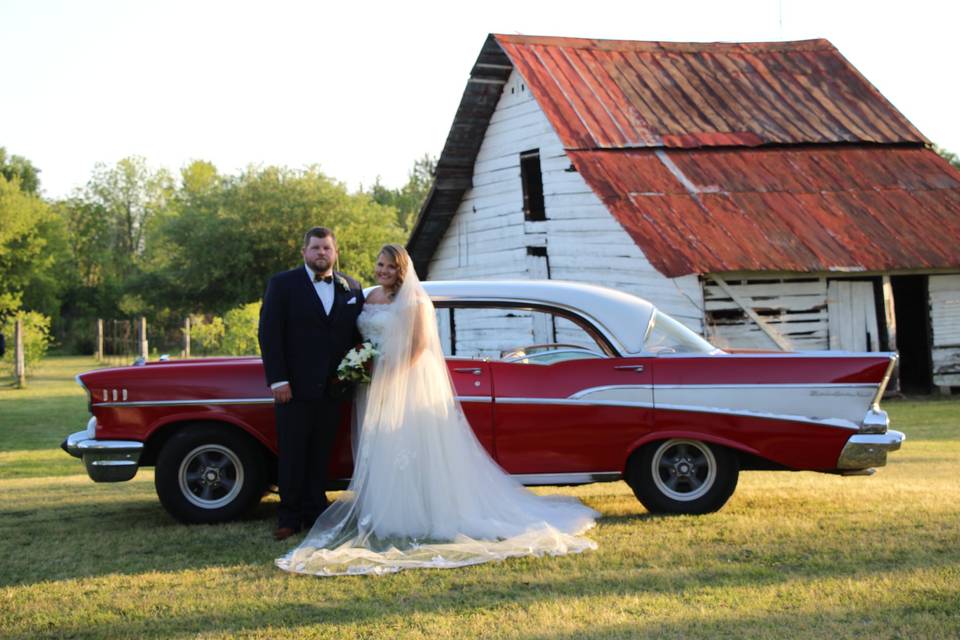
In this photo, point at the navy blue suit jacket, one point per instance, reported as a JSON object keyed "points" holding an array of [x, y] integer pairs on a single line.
{"points": [[299, 341]]}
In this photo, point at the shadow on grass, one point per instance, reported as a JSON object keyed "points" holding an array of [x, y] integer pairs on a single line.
{"points": [[466, 593], [878, 621], [108, 536]]}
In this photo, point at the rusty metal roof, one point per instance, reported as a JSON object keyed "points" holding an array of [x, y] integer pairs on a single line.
{"points": [[612, 94], [806, 209], [720, 157]]}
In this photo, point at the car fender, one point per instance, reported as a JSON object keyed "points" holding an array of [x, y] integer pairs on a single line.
{"points": [[162, 424], [689, 434]]}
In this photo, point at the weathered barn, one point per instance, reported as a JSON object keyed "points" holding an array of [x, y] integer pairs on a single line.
{"points": [[766, 194]]}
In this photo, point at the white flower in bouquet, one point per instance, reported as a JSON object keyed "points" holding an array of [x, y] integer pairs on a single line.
{"points": [[357, 365]]}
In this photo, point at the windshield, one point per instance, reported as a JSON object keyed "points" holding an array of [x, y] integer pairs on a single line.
{"points": [[666, 335]]}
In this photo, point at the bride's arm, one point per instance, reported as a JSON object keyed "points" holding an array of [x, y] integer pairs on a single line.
{"points": [[418, 339]]}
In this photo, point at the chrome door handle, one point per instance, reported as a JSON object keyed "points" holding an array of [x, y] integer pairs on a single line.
{"points": [[630, 367], [474, 370]]}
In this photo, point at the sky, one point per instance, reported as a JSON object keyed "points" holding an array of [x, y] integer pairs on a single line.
{"points": [[363, 89]]}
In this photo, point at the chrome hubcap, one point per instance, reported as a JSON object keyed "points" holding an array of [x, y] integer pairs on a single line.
{"points": [[210, 476], [683, 470]]}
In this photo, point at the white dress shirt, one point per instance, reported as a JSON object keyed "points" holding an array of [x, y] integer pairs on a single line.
{"points": [[324, 289]]}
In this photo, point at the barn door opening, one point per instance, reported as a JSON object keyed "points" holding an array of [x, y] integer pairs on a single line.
{"points": [[852, 310], [910, 303]]}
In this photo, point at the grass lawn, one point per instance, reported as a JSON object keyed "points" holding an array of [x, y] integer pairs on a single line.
{"points": [[791, 555]]}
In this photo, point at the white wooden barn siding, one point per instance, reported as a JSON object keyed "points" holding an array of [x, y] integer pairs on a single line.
{"points": [[795, 308], [488, 237], [810, 313], [945, 322]]}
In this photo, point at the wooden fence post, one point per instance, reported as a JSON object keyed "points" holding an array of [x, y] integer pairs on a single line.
{"points": [[99, 339], [20, 368], [186, 337], [144, 349]]}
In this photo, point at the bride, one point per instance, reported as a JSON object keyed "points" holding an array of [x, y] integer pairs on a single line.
{"points": [[424, 492]]}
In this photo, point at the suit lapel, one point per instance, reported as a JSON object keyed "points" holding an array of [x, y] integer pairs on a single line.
{"points": [[337, 293]]}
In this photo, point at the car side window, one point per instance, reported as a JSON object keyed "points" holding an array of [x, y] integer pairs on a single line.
{"points": [[506, 333]]}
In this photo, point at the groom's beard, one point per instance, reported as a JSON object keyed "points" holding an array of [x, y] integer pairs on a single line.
{"points": [[321, 266]]}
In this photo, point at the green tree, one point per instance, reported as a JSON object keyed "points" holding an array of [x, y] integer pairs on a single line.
{"points": [[12, 167], [225, 239], [949, 156], [206, 333], [36, 338], [108, 226], [129, 197], [89, 241], [240, 330], [408, 199], [26, 261]]}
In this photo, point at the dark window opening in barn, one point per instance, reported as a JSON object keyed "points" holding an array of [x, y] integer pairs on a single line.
{"points": [[538, 263], [532, 180], [912, 312]]}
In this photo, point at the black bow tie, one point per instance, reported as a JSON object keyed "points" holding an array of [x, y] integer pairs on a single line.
{"points": [[319, 278]]}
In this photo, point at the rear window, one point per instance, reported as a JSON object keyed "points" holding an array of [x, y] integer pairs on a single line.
{"points": [[666, 335]]}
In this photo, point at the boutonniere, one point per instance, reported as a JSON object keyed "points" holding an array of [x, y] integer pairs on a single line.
{"points": [[343, 283]]}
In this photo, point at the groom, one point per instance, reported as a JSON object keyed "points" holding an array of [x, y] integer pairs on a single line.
{"points": [[307, 324]]}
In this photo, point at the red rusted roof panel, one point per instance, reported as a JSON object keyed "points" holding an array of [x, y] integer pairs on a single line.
{"points": [[804, 209], [608, 94]]}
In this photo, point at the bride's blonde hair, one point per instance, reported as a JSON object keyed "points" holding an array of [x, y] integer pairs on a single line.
{"points": [[400, 258]]}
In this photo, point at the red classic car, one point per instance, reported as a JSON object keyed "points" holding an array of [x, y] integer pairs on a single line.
{"points": [[563, 383]]}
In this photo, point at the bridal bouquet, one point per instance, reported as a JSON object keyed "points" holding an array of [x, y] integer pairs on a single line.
{"points": [[357, 365]]}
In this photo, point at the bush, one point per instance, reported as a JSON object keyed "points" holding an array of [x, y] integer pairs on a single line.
{"points": [[36, 338], [206, 334], [240, 337]]}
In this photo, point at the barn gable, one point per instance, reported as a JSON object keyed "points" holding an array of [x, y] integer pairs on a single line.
{"points": [[490, 237]]}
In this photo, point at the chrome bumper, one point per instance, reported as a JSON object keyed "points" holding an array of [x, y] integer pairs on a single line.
{"points": [[105, 460], [865, 450]]}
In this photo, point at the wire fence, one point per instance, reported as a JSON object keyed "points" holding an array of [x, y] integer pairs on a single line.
{"points": [[124, 341]]}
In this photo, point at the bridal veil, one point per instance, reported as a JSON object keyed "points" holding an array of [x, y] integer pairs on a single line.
{"points": [[424, 491]]}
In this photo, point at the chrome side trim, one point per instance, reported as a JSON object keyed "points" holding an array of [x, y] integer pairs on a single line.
{"points": [[533, 479], [782, 354], [823, 422], [775, 385], [573, 402], [865, 450], [184, 403], [230, 401], [608, 387]]}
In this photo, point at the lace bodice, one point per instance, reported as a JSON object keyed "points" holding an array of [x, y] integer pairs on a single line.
{"points": [[373, 321]]}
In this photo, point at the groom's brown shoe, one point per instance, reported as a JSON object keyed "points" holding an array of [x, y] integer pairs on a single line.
{"points": [[282, 533]]}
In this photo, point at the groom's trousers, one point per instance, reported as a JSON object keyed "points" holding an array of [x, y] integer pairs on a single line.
{"points": [[306, 430]]}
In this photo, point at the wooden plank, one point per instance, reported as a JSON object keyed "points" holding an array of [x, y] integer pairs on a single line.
{"points": [[834, 312], [745, 303], [786, 303], [944, 293], [775, 288]]}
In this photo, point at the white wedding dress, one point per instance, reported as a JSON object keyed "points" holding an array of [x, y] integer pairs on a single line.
{"points": [[424, 492]]}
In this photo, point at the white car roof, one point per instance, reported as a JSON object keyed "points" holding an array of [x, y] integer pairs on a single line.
{"points": [[621, 317]]}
